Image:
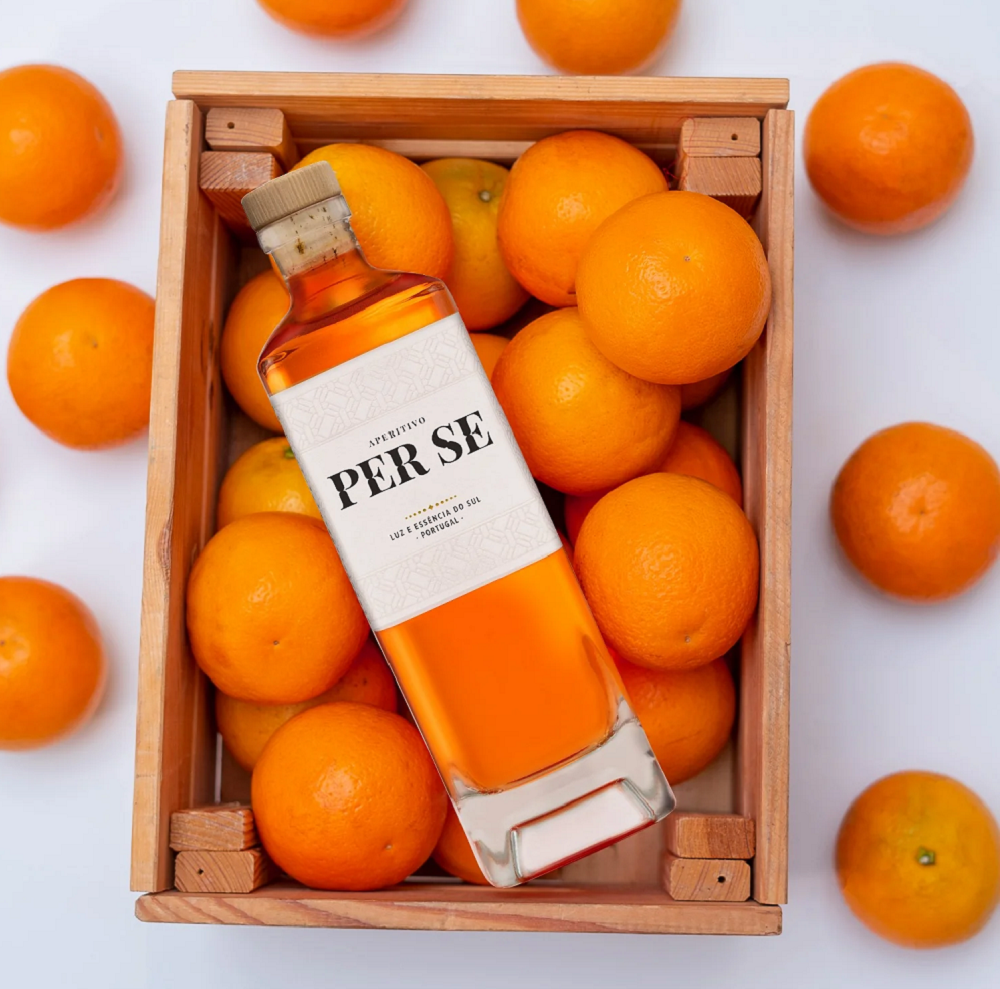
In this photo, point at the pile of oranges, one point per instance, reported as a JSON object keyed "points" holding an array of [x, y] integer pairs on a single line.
{"points": [[603, 307], [653, 504]]}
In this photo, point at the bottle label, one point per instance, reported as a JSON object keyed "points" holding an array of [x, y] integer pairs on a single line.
{"points": [[416, 472]]}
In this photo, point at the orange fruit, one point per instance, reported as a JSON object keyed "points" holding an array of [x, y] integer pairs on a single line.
{"points": [[558, 193], [597, 37], [60, 147], [485, 292], [246, 727], [697, 453], [52, 663], [271, 615], [259, 306], [700, 392], [674, 288], [687, 715], [80, 362], [334, 18], [888, 147], [454, 853], [400, 219], [670, 566], [918, 860], [582, 424], [916, 509], [345, 796], [265, 478], [694, 451], [489, 346]]}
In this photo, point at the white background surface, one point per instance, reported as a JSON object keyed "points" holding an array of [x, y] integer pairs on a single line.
{"points": [[885, 331]]}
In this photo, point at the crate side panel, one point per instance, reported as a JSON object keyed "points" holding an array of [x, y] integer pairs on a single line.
{"points": [[323, 107], [459, 907], [175, 747], [767, 478]]}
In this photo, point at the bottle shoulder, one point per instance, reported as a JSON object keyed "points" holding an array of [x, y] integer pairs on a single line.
{"points": [[395, 304]]}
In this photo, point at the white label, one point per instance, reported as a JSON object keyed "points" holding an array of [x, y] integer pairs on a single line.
{"points": [[414, 467]]}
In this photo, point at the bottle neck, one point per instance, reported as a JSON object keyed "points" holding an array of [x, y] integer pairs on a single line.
{"points": [[318, 257]]}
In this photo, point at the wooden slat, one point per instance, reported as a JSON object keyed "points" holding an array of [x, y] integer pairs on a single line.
{"points": [[324, 107], [175, 740], [720, 137], [220, 828], [227, 176], [767, 486], [733, 181], [709, 836], [464, 908], [251, 129], [504, 152], [223, 872], [716, 880]]}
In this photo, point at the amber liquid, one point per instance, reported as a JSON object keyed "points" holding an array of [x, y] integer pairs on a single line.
{"points": [[510, 679]]}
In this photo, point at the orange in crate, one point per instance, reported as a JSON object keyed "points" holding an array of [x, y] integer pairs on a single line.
{"points": [[247, 727], [454, 853], [345, 796], [582, 423], [255, 312], [687, 714], [558, 193], [271, 614], [670, 566]]}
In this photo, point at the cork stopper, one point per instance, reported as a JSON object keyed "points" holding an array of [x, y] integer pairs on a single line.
{"points": [[289, 193]]}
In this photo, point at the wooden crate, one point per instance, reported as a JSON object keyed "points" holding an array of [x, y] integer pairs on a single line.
{"points": [[196, 431]]}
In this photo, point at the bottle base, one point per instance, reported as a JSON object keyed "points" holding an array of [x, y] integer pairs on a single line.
{"points": [[570, 811]]}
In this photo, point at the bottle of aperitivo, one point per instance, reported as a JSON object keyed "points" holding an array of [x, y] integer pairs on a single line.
{"points": [[449, 546]]}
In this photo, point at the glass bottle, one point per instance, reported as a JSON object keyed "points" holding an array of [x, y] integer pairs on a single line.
{"points": [[448, 545]]}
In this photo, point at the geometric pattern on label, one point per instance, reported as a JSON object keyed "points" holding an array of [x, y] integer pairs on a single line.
{"points": [[375, 384], [468, 559]]}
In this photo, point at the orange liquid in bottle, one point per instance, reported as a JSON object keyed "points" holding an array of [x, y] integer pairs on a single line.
{"points": [[509, 679]]}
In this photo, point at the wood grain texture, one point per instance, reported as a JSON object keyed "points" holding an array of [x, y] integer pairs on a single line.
{"points": [[767, 485], [227, 176], [733, 181], [709, 836], [458, 907], [251, 129], [720, 137], [325, 107], [716, 880], [222, 827], [633, 861], [175, 739], [223, 872]]}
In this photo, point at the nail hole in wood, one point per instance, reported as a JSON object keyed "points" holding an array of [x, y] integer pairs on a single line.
{"points": [[722, 879], [232, 126]]}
